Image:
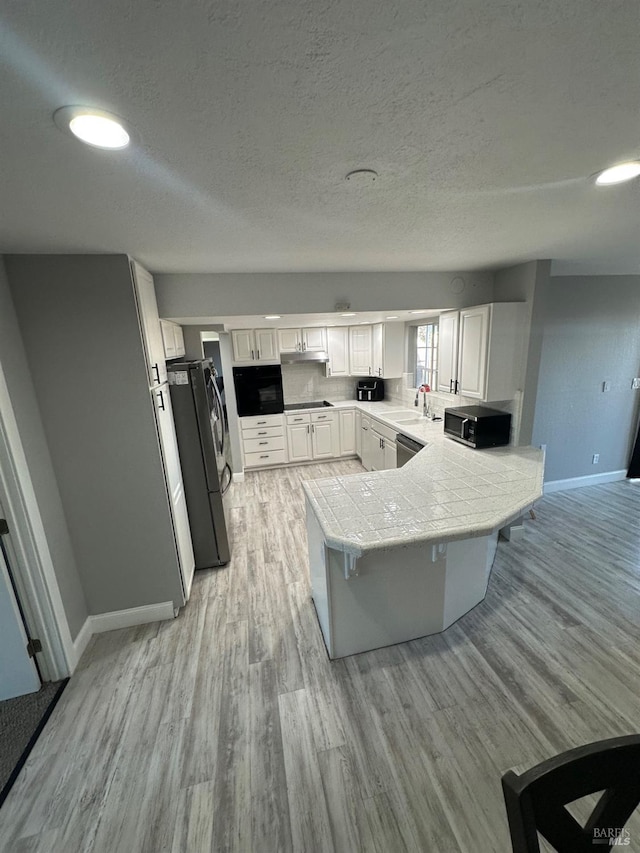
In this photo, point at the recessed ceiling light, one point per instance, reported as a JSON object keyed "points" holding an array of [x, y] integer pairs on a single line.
{"points": [[392, 317], [348, 315], [272, 317], [424, 311], [94, 127], [618, 174]]}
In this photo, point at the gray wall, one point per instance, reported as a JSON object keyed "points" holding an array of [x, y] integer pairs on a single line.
{"points": [[591, 334], [188, 296], [524, 283], [80, 329], [27, 414]]}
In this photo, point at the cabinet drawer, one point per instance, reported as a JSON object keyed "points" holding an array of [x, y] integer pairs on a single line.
{"points": [[272, 457], [298, 418], [261, 445], [263, 432], [255, 421], [319, 417]]}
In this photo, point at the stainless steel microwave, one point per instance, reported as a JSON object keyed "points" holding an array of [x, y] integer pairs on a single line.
{"points": [[477, 426]]}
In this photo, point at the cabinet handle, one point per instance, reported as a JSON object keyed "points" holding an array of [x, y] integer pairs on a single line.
{"points": [[307, 430], [157, 370], [369, 371], [258, 356], [321, 417], [263, 432], [455, 390], [252, 355], [263, 442], [329, 371], [298, 419], [451, 386], [261, 423], [304, 346], [161, 398], [264, 456], [365, 428], [313, 429]]}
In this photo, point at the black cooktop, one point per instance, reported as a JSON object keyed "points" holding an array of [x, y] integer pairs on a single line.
{"points": [[290, 407]]}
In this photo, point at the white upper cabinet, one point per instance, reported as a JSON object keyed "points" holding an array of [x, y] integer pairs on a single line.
{"points": [[172, 338], [290, 340], [480, 351], [387, 350], [338, 351], [254, 346], [360, 350], [314, 339], [150, 324], [448, 351]]}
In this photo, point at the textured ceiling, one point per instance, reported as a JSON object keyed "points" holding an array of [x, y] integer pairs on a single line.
{"points": [[484, 120]]}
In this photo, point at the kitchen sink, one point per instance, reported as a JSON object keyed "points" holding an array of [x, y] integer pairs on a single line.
{"points": [[413, 420], [402, 413]]}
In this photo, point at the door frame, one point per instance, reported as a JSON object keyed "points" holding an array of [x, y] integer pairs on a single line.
{"points": [[28, 551]]}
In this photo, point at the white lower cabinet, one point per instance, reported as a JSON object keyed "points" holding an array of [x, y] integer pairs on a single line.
{"points": [[263, 441], [378, 445], [299, 441], [358, 428], [347, 432], [390, 454], [367, 442]]}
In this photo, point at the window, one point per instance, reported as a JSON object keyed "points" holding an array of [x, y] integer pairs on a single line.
{"points": [[427, 355]]}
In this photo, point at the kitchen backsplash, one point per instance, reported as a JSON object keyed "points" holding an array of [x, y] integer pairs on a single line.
{"points": [[304, 383]]}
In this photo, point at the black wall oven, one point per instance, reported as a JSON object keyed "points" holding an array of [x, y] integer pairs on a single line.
{"points": [[259, 390]]}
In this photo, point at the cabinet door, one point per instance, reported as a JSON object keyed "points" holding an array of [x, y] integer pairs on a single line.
{"points": [[377, 349], [314, 340], [168, 338], [390, 454], [377, 451], [325, 440], [347, 432], [150, 324], [448, 351], [178, 336], [358, 427], [289, 340], [367, 442], [338, 351], [474, 340], [266, 345], [243, 346], [175, 487], [360, 356], [299, 442]]}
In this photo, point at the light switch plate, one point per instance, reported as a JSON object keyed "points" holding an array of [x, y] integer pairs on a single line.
{"points": [[635, 383], [606, 386]]}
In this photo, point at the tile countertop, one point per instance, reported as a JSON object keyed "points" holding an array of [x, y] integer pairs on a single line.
{"points": [[446, 491]]}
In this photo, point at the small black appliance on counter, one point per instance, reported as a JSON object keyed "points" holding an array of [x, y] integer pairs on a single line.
{"points": [[369, 390], [477, 426]]}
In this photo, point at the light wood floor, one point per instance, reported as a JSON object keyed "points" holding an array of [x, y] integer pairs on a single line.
{"points": [[228, 729]]}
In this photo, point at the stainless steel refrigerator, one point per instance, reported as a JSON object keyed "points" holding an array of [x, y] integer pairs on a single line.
{"points": [[202, 430]]}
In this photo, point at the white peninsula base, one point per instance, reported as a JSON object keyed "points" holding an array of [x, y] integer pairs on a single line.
{"points": [[393, 595]]}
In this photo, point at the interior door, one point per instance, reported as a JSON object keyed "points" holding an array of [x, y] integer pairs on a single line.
{"points": [[18, 673]]}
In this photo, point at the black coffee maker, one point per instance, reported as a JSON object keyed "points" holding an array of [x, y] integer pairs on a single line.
{"points": [[369, 390]]}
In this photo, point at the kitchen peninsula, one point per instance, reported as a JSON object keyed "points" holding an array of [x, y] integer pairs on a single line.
{"points": [[399, 554]]}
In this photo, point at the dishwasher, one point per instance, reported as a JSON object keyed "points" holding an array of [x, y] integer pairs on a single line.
{"points": [[406, 449]]}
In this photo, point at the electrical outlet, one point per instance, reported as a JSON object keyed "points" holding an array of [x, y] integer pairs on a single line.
{"points": [[596, 459], [635, 383], [543, 447], [606, 385]]}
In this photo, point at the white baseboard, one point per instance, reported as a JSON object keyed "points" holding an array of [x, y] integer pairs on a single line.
{"points": [[238, 476], [579, 482], [102, 622]]}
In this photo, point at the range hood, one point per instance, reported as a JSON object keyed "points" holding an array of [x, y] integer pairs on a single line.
{"points": [[304, 357]]}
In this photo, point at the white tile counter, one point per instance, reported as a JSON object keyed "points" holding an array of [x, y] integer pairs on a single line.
{"points": [[446, 492], [395, 555]]}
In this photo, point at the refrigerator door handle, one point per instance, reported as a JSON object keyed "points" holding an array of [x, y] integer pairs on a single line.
{"points": [[230, 480]]}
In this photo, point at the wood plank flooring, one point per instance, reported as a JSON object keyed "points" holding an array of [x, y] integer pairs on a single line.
{"points": [[228, 729]]}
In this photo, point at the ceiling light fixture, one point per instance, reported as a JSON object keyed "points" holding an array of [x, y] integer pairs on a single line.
{"points": [[273, 317], [392, 317], [97, 128], [618, 174], [424, 311], [348, 315]]}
